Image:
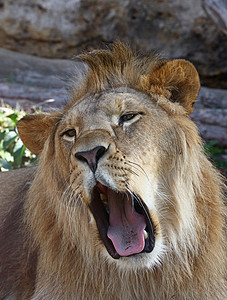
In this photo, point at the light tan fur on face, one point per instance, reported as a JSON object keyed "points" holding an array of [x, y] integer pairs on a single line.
{"points": [[156, 155]]}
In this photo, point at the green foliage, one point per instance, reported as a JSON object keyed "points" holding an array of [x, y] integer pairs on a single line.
{"points": [[216, 153], [13, 154]]}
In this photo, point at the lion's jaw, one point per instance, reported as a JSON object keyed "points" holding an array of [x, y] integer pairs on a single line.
{"points": [[115, 211], [123, 176]]}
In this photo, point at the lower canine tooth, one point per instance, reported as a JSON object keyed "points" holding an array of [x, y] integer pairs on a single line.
{"points": [[145, 234]]}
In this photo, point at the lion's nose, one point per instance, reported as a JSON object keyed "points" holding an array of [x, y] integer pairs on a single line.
{"points": [[91, 157]]}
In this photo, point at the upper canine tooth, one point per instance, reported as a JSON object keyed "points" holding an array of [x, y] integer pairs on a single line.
{"points": [[145, 234], [103, 197]]}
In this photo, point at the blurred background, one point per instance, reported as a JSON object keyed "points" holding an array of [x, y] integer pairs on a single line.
{"points": [[39, 38]]}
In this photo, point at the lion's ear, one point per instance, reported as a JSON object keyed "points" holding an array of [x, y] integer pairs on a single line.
{"points": [[178, 80], [35, 129]]}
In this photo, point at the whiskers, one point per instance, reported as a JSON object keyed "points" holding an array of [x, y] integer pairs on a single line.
{"points": [[137, 168]]}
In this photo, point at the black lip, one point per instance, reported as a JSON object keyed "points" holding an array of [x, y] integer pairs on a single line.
{"points": [[102, 221]]}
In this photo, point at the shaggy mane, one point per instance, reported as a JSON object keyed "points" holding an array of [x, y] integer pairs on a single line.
{"points": [[115, 67]]}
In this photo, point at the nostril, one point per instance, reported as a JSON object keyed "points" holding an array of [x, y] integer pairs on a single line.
{"points": [[101, 151], [80, 157], [91, 157]]}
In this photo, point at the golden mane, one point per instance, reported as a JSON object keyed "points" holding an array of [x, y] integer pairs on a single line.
{"points": [[120, 66]]}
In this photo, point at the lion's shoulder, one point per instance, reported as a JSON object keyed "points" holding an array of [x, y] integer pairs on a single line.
{"points": [[14, 249]]}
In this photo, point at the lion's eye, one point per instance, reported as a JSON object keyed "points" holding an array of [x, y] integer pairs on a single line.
{"points": [[126, 118], [69, 135]]}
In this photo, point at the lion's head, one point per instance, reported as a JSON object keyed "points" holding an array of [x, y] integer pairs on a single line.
{"points": [[121, 166]]}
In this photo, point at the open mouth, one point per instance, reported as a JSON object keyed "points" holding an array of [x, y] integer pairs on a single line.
{"points": [[123, 222]]}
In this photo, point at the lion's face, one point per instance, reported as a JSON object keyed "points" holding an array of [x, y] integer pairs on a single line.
{"points": [[112, 153], [116, 147]]}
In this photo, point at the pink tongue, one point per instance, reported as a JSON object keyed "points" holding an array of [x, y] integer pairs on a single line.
{"points": [[126, 225]]}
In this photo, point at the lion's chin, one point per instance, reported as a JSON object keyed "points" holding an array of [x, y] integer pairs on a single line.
{"points": [[123, 221]]}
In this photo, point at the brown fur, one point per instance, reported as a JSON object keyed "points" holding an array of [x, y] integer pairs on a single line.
{"points": [[49, 244]]}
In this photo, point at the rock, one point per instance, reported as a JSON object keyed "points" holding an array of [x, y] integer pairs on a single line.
{"points": [[35, 71], [210, 115], [211, 98], [28, 81], [27, 97], [217, 10], [61, 29], [212, 124]]}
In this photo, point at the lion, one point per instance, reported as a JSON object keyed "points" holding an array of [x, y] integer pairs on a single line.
{"points": [[124, 203]]}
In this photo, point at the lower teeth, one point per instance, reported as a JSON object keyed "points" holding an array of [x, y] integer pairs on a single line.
{"points": [[145, 234]]}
